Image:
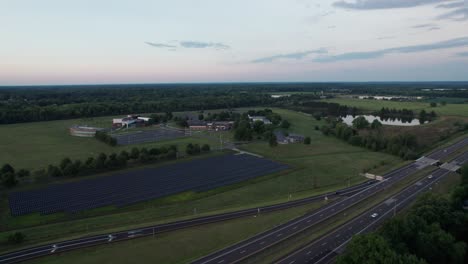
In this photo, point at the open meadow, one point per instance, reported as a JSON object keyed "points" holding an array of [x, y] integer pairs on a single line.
{"points": [[38, 144], [460, 110]]}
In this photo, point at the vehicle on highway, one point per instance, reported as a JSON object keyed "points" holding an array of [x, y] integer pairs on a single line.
{"points": [[429, 177], [374, 215]]}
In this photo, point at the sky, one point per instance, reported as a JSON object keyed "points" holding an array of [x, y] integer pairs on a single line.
{"points": [[160, 41]]}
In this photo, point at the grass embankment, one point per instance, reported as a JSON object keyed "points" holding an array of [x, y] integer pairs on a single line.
{"points": [[323, 166], [180, 246]]}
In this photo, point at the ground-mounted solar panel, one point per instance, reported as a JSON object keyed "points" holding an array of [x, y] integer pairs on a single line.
{"points": [[148, 136], [131, 187]]}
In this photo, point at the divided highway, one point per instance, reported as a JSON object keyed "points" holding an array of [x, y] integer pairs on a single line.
{"points": [[253, 245], [258, 243], [325, 249]]}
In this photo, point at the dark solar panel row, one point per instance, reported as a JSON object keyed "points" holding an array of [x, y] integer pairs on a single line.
{"points": [[147, 136], [142, 185]]}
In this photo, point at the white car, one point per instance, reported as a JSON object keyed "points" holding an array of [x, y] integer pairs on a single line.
{"points": [[374, 215], [429, 177]]}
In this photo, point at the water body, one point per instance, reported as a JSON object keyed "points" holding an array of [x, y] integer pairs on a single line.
{"points": [[385, 121]]}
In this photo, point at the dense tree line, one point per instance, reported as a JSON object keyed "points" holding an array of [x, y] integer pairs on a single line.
{"points": [[101, 163], [195, 149], [322, 109], [26, 105], [221, 116], [244, 130], [426, 117], [106, 138], [9, 176], [435, 230], [403, 145], [404, 114]]}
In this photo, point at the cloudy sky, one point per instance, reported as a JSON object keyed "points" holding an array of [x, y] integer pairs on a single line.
{"points": [[152, 41]]}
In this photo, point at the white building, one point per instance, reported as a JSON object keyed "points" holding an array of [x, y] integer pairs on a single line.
{"points": [[265, 120]]}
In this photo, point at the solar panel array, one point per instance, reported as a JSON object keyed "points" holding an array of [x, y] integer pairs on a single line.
{"points": [[136, 186], [148, 136]]}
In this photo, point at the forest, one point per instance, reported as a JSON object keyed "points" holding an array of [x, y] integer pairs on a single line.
{"points": [[43, 103]]}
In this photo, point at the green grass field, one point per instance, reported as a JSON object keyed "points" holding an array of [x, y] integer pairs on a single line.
{"points": [[325, 165], [49, 142], [373, 105]]}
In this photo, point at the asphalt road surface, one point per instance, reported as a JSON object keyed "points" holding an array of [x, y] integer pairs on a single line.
{"points": [[442, 153], [258, 243], [325, 249], [250, 246]]}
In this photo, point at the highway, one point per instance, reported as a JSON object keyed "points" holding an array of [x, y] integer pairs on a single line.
{"points": [[260, 242], [49, 249], [442, 153], [325, 249], [250, 246]]}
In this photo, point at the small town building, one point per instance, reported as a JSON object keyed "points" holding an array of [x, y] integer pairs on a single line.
{"points": [[83, 131], [281, 138], [265, 120], [197, 124], [130, 121], [220, 125], [296, 138]]}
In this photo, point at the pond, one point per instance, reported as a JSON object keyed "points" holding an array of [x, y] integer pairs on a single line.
{"points": [[385, 121]]}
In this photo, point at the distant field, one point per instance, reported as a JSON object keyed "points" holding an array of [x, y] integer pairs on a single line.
{"points": [[49, 142], [372, 105]]}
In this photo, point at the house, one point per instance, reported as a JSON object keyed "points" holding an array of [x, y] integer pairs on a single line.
{"points": [[295, 138], [197, 124], [291, 138], [281, 138], [265, 120]]}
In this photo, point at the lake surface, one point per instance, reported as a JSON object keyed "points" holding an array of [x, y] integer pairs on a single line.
{"points": [[385, 121]]}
